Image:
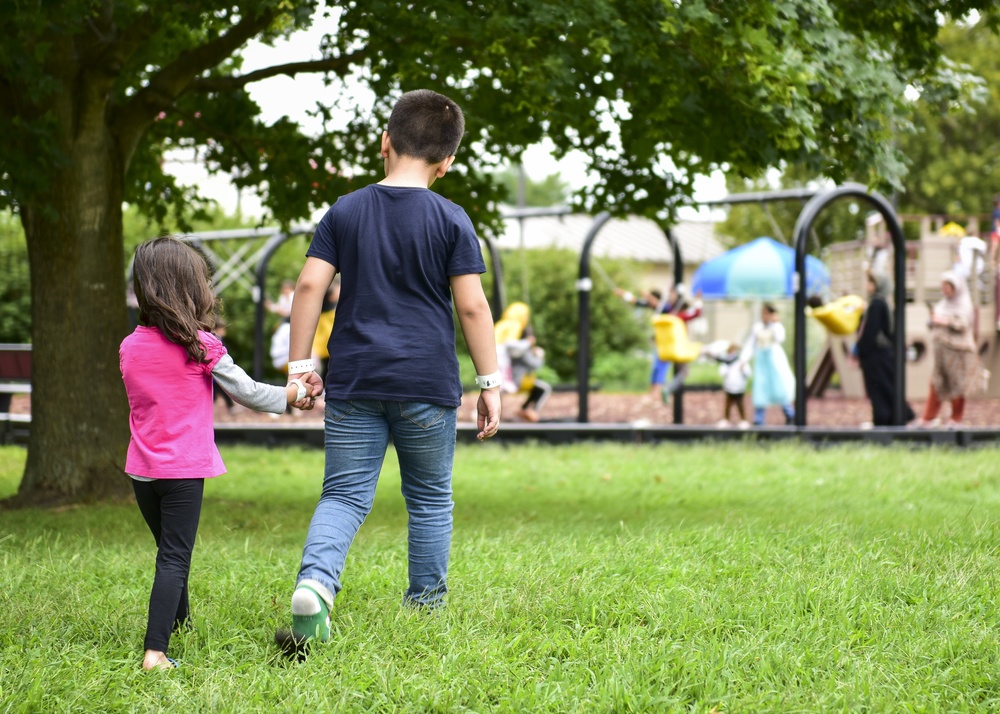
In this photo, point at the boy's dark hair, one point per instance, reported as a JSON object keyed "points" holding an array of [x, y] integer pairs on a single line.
{"points": [[426, 125], [814, 301], [770, 309], [174, 290]]}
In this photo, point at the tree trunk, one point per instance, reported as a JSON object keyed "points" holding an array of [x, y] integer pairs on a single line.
{"points": [[79, 413]]}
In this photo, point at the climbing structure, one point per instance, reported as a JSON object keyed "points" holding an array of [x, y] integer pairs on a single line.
{"points": [[940, 246]]}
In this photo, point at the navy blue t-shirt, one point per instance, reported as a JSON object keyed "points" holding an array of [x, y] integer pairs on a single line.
{"points": [[394, 334]]}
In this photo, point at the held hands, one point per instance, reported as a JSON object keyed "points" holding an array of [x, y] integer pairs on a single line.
{"points": [[488, 410], [314, 387]]}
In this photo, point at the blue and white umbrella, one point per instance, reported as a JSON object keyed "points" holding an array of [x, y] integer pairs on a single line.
{"points": [[761, 268]]}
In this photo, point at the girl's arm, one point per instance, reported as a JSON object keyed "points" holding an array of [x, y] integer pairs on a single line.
{"points": [[253, 395]]}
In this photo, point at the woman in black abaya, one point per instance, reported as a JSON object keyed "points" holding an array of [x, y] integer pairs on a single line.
{"points": [[876, 355]]}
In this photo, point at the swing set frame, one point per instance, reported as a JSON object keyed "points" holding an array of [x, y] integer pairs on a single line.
{"points": [[815, 201]]}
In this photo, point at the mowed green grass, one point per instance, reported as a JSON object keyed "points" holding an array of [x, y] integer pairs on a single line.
{"points": [[588, 578]]}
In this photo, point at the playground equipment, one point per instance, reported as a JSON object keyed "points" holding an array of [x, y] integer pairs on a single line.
{"points": [[938, 248], [840, 317], [510, 328], [512, 323], [584, 285], [672, 341], [916, 268], [816, 201]]}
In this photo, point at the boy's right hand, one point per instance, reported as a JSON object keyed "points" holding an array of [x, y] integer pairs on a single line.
{"points": [[314, 387], [488, 409]]}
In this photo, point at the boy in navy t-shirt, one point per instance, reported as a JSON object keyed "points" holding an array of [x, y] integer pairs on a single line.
{"points": [[404, 254]]}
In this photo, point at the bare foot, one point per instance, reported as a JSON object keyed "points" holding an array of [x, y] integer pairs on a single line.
{"points": [[528, 414], [155, 659]]}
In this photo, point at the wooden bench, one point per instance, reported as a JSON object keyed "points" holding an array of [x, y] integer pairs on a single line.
{"points": [[15, 372]]}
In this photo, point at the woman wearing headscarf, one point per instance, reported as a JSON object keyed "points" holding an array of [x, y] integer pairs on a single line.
{"points": [[876, 353], [955, 358]]}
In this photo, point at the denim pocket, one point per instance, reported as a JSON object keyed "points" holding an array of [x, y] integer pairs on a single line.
{"points": [[338, 410], [421, 414]]}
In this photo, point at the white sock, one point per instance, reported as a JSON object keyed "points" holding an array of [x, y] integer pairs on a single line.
{"points": [[305, 602], [308, 597]]}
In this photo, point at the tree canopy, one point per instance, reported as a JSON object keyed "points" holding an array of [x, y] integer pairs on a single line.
{"points": [[953, 151], [653, 91], [94, 93], [549, 191]]}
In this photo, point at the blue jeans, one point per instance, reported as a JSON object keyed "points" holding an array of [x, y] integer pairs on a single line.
{"points": [[357, 435], [660, 369]]}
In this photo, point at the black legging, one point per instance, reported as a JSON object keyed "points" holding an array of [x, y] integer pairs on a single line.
{"points": [[171, 508], [538, 395]]}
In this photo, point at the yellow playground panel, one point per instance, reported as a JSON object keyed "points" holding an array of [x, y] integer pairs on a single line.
{"points": [[840, 317], [512, 323], [672, 342]]}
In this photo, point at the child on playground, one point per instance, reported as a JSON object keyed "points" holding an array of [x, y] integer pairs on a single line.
{"points": [[168, 365], [405, 255], [520, 357], [687, 309], [735, 373], [653, 300], [773, 382]]}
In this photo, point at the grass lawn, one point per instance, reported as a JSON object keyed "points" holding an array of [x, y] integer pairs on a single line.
{"points": [[592, 578]]}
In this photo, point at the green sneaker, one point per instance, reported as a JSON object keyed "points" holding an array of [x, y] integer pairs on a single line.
{"points": [[310, 615]]}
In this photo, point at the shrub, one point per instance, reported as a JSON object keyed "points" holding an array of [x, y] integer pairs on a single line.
{"points": [[551, 279], [622, 371], [15, 282]]}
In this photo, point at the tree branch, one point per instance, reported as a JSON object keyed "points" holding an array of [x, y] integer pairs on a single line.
{"points": [[126, 42], [7, 97], [338, 65], [175, 78]]}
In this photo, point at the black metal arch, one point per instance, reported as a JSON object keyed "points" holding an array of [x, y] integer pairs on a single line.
{"points": [[584, 285], [802, 227], [272, 245]]}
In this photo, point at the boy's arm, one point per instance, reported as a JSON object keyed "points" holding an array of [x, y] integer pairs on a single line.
{"points": [[477, 325], [313, 282]]}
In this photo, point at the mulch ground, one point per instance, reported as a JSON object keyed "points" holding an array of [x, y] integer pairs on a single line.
{"points": [[700, 408], [705, 408]]}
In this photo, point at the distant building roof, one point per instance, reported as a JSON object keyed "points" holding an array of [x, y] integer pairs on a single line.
{"points": [[631, 238]]}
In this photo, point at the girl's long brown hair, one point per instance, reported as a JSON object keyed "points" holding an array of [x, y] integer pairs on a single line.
{"points": [[174, 290]]}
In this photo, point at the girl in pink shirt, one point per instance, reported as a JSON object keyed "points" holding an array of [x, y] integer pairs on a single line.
{"points": [[168, 364]]}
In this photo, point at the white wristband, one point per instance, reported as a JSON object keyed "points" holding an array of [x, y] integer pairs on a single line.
{"points": [[488, 381], [302, 389], [301, 366]]}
